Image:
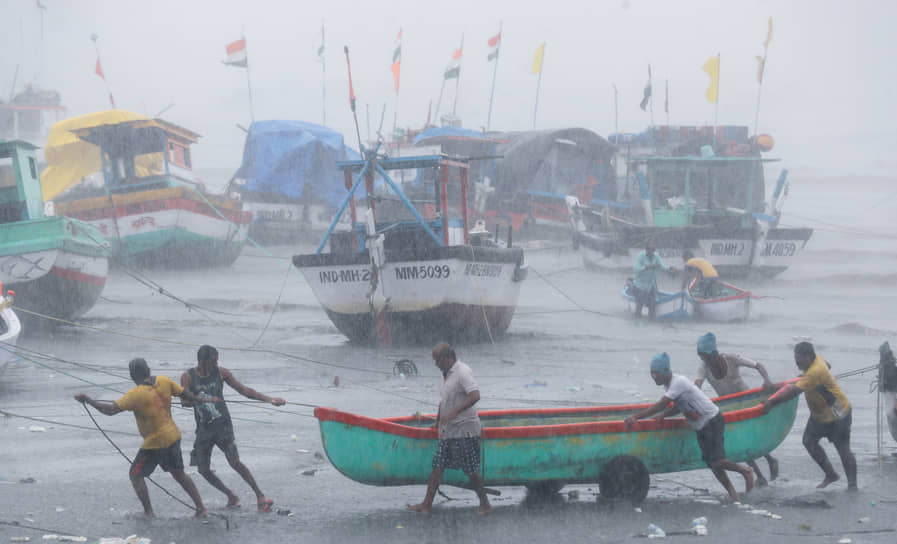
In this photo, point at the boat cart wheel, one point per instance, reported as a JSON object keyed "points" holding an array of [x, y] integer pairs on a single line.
{"points": [[404, 366], [624, 477], [544, 488]]}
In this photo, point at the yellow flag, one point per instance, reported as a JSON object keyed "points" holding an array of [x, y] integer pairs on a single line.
{"points": [[712, 69], [537, 59], [761, 64], [768, 35]]}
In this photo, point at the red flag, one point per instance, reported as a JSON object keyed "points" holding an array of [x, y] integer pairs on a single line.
{"points": [[99, 70]]}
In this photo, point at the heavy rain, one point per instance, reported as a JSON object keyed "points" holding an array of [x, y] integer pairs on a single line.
{"points": [[282, 210]]}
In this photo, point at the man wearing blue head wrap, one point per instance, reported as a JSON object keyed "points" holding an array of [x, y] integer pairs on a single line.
{"points": [[722, 371], [701, 414]]}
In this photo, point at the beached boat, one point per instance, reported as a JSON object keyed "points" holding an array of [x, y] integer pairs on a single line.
{"points": [[668, 306], [524, 177], [410, 275], [725, 302], [697, 189], [288, 179], [542, 448], [151, 208], [10, 329], [56, 265]]}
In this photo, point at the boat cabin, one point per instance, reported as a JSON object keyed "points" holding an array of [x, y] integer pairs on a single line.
{"points": [[20, 190], [403, 222], [143, 154], [705, 190], [29, 115]]}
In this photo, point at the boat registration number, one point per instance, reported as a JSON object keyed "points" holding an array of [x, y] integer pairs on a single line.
{"points": [[779, 249], [423, 272]]}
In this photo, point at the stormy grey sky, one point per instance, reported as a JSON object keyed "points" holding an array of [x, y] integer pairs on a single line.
{"points": [[827, 95]]}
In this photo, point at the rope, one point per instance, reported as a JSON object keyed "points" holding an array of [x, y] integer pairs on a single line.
{"points": [[276, 304], [476, 278], [114, 445], [33, 528]]}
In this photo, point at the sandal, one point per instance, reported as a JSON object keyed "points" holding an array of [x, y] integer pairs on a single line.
{"points": [[265, 506]]}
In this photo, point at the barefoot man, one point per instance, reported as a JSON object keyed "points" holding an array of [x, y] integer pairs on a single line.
{"points": [[459, 429], [830, 414], [151, 403], [722, 371], [703, 416]]}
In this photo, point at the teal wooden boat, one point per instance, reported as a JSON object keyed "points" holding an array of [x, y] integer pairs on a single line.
{"points": [[544, 449]]}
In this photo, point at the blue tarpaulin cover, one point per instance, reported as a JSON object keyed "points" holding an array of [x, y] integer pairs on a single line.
{"points": [[284, 158]]}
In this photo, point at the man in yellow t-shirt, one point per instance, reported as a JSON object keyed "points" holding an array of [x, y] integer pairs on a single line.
{"points": [[830, 414], [702, 272], [150, 401]]}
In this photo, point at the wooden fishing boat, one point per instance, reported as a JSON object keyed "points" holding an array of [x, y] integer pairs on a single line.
{"points": [[547, 448], [413, 276], [668, 306], [725, 302], [56, 265], [151, 209], [701, 190], [10, 329]]}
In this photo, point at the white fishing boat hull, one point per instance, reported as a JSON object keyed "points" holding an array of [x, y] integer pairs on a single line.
{"points": [[735, 307], [732, 256], [455, 292], [10, 329]]}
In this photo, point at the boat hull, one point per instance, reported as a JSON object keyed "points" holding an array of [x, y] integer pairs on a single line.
{"points": [[167, 227], [729, 251], [729, 304], [56, 266], [669, 306], [452, 293], [399, 451]]}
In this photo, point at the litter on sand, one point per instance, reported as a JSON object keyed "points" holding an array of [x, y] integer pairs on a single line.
{"points": [[133, 539], [37, 429]]}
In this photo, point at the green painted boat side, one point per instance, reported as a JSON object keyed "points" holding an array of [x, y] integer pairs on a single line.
{"points": [[34, 235], [523, 455]]}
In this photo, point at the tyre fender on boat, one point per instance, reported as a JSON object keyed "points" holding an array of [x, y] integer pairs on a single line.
{"points": [[624, 477]]}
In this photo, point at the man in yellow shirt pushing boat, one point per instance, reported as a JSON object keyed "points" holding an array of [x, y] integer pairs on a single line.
{"points": [[702, 271]]}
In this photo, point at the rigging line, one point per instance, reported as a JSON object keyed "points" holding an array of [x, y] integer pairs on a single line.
{"points": [[274, 308], [2, 347], [51, 422], [480, 296], [179, 343], [33, 528], [399, 395], [226, 520], [257, 404], [16, 350]]}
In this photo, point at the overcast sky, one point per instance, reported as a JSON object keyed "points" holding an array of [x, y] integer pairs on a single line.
{"points": [[828, 93]]}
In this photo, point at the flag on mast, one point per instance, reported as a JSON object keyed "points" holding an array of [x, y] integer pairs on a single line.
{"points": [[397, 61], [712, 69], [647, 93], [761, 61], [494, 45], [453, 70], [321, 46], [538, 57], [236, 54], [98, 70]]}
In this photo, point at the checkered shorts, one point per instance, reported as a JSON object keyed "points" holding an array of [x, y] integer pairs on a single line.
{"points": [[458, 453]]}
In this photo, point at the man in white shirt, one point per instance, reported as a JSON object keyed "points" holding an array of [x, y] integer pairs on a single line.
{"points": [[701, 414], [459, 429]]}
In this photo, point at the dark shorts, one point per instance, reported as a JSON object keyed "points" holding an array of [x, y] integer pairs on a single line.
{"points": [[645, 297], [837, 432], [221, 436], [168, 458], [712, 439], [458, 453]]}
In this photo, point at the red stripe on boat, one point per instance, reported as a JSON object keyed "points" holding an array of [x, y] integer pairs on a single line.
{"points": [[75, 275]]}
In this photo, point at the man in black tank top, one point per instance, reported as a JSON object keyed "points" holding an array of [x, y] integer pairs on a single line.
{"points": [[213, 423]]}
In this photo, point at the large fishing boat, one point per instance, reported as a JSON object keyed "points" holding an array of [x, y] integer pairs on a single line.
{"points": [[151, 207], [544, 449], [56, 265], [523, 178], [288, 179], [691, 188], [413, 272]]}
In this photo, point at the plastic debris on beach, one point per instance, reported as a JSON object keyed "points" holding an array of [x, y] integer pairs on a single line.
{"points": [[133, 539]]}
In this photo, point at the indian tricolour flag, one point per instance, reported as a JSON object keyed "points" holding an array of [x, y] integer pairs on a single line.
{"points": [[397, 60], [453, 70], [236, 53], [494, 44]]}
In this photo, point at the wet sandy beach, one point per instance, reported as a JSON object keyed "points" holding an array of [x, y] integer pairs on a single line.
{"points": [[554, 355]]}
